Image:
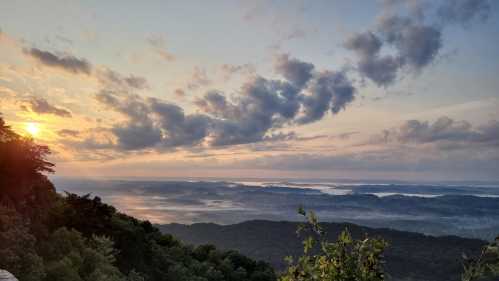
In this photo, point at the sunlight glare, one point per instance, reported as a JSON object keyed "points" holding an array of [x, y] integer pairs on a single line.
{"points": [[32, 128]]}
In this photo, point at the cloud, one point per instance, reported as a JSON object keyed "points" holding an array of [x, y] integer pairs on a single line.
{"points": [[41, 106], [464, 11], [415, 42], [153, 123], [158, 44], [139, 131], [136, 82], [215, 103], [112, 79], [295, 71], [416, 46], [179, 129], [385, 161], [445, 130], [66, 62], [68, 133], [199, 79], [131, 106], [262, 108], [265, 105], [228, 70], [380, 69], [137, 135], [365, 44], [108, 77], [328, 91]]}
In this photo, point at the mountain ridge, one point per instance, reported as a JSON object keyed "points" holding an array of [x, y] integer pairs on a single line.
{"points": [[409, 256]]}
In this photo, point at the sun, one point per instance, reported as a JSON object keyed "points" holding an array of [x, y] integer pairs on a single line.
{"points": [[32, 128]]}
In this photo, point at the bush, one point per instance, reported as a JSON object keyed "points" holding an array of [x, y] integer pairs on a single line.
{"points": [[346, 259]]}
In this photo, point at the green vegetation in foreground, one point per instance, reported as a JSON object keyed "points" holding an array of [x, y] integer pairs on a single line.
{"points": [[48, 237], [343, 260]]}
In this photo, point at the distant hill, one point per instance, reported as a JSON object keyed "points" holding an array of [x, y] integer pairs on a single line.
{"points": [[410, 256]]}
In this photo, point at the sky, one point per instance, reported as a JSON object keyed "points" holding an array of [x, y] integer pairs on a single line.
{"points": [[392, 89]]}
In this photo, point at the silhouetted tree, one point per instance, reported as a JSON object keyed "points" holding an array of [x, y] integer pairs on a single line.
{"points": [[23, 163]]}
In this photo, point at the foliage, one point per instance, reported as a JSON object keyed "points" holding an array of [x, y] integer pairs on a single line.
{"points": [[485, 266], [69, 256], [17, 247], [344, 260], [22, 164]]}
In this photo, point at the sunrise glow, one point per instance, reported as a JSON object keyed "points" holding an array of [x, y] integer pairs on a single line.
{"points": [[33, 128]]}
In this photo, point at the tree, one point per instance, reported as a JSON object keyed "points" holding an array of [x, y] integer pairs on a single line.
{"points": [[485, 266], [344, 260], [23, 163], [69, 256], [17, 247]]}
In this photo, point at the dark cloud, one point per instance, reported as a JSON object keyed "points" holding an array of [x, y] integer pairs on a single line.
{"points": [[139, 131], [266, 105], [112, 79], [131, 106], [89, 143], [153, 123], [262, 107], [364, 44], [136, 82], [295, 71], [380, 69], [109, 78], [464, 11], [137, 135], [445, 129], [415, 40], [417, 44], [215, 103], [329, 91], [67, 62], [179, 129], [41, 106]]}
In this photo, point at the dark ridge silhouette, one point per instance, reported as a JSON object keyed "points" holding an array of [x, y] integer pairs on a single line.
{"points": [[409, 255]]}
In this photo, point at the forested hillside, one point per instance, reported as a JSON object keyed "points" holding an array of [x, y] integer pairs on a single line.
{"points": [[45, 236], [408, 255]]}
